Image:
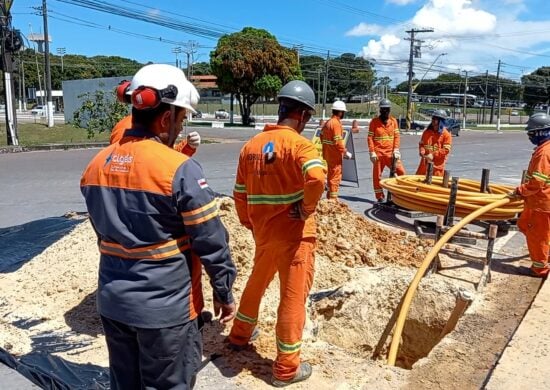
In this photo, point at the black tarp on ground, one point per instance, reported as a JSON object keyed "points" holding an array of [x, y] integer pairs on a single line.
{"points": [[53, 373]]}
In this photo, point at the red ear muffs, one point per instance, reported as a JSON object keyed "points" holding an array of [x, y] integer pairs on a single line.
{"points": [[121, 92], [144, 98]]}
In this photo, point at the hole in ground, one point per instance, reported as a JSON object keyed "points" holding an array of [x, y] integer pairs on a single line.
{"points": [[355, 315]]}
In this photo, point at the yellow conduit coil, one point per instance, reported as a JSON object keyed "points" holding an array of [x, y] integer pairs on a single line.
{"points": [[410, 192], [424, 266]]}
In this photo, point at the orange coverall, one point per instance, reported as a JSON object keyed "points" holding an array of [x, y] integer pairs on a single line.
{"points": [[383, 140], [126, 123], [534, 221], [439, 145], [278, 168], [332, 140]]}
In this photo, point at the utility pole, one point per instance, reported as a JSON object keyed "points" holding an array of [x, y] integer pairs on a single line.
{"points": [[61, 52], [47, 65], [191, 50], [414, 53], [325, 85], [499, 106], [493, 103], [176, 50], [485, 98], [319, 86], [464, 107], [6, 64]]}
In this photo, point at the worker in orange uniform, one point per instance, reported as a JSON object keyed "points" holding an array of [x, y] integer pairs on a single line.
{"points": [[383, 140], [188, 146], [280, 179], [435, 145], [156, 221], [534, 221], [332, 141]]}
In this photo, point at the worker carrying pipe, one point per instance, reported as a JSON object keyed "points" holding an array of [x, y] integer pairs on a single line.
{"points": [[383, 141], [334, 149], [534, 221], [435, 145]]}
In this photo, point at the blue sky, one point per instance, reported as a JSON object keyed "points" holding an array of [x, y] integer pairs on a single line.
{"points": [[474, 34]]}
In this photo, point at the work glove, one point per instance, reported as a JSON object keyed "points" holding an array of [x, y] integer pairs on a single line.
{"points": [[348, 156], [194, 139], [397, 154], [373, 157], [429, 157], [227, 310]]}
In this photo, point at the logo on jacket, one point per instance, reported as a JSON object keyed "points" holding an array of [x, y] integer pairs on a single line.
{"points": [[269, 152], [202, 183]]}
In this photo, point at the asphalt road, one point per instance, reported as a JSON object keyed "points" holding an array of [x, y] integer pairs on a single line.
{"points": [[36, 185]]}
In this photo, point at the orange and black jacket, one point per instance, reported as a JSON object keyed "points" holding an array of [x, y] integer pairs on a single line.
{"points": [[436, 144], [278, 168], [117, 133], [156, 220]]}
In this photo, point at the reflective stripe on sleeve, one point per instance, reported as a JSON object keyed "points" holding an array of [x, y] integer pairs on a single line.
{"points": [[160, 251], [200, 215], [240, 188], [312, 164]]}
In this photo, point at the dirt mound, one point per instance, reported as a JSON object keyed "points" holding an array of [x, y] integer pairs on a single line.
{"points": [[346, 237]]}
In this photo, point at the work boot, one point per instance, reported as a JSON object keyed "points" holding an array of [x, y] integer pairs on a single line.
{"points": [[254, 336], [304, 372], [526, 271]]}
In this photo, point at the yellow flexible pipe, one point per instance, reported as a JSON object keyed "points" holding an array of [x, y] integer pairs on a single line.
{"points": [[412, 193], [424, 266]]}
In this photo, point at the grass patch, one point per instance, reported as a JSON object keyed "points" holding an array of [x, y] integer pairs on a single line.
{"points": [[40, 134]]}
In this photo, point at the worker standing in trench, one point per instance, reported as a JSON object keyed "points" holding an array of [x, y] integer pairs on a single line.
{"points": [[534, 221], [280, 179], [435, 145], [334, 149], [156, 221], [187, 146], [383, 140]]}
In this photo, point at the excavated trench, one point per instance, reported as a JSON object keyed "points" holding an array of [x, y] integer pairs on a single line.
{"points": [[355, 316]]}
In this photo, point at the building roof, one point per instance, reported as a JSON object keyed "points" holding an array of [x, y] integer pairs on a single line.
{"points": [[207, 81]]}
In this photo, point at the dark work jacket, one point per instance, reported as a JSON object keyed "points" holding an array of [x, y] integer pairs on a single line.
{"points": [[157, 221]]}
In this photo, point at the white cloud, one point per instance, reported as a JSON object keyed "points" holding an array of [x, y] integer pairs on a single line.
{"points": [[363, 29], [475, 34], [400, 2]]}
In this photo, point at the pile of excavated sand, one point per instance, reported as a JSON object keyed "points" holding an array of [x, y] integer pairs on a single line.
{"points": [[54, 293]]}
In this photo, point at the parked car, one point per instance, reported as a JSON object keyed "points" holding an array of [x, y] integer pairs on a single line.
{"points": [[453, 126], [221, 114], [197, 114], [414, 125], [39, 111]]}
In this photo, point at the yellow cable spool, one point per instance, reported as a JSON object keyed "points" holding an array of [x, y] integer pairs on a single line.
{"points": [[410, 192]]}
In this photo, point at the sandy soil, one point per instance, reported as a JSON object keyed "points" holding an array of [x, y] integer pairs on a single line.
{"points": [[362, 270]]}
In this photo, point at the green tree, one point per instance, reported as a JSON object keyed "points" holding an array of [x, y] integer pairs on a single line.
{"points": [[99, 112], [201, 68], [536, 87], [250, 64], [349, 75]]}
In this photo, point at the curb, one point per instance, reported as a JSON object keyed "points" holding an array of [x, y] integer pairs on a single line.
{"points": [[84, 145]]}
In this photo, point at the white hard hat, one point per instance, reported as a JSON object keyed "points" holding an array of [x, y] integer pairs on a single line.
{"points": [[339, 105], [160, 77]]}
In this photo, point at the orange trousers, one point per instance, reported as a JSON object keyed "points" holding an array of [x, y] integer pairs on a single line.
{"points": [[334, 177], [536, 227], [378, 168], [439, 169], [295, 264]]}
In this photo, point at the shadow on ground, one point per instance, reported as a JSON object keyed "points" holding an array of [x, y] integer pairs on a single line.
{"points": [[23, 242]]}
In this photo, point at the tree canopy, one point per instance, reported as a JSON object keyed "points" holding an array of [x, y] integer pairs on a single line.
{"points": [[252, 64], [536, 87]]}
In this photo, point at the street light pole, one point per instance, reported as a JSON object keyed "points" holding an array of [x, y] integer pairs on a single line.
{"points": [[48, 75], [464, 106]]}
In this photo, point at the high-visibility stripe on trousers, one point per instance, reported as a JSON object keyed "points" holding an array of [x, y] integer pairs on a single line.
{"points": [[295, 264], [378, 168], [334, 177], [536, 227]]}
